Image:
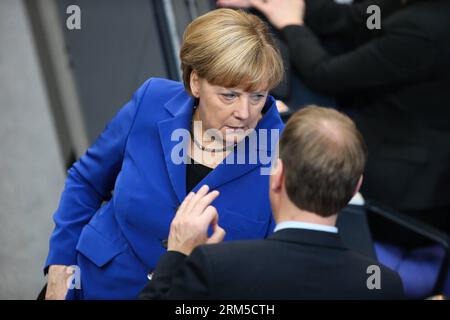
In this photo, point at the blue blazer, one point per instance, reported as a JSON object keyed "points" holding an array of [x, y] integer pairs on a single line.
{"points": [[121, 195]]}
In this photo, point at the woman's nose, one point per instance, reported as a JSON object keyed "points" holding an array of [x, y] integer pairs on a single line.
{"points": [[242, 109]]}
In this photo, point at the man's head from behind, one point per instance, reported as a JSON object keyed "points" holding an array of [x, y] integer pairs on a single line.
{"points": [[322, 156]]}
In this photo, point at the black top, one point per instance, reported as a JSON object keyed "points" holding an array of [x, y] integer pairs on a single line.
{"points": [[195, 172]]}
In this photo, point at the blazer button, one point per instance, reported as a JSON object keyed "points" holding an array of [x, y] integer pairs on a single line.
{"points": [[164, 243], [150, 276]]}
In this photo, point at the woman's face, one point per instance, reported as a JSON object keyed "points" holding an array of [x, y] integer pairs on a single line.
{"points": [[231, 111]]}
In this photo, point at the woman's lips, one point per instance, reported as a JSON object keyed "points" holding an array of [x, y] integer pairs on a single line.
{"points": [[235, 128]]}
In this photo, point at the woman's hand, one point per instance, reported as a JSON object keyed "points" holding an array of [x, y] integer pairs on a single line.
{"points": [[189, 228], [57, 282]]}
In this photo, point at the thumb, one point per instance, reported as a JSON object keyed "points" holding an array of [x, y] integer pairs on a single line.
{"points": [[212, 218], [217, 236]]}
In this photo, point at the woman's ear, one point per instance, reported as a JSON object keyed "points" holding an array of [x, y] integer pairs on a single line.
{"points": [[195, 84]]}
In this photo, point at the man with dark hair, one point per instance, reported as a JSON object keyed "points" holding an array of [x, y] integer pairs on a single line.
{"points": [[322, 157]]}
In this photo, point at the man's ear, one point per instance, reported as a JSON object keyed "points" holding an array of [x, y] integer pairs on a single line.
{"points": [[195, 84], [277, 175], [358, 185]]}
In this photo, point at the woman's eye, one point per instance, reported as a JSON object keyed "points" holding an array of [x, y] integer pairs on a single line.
{"points": [[258, 97], [229, 96]]}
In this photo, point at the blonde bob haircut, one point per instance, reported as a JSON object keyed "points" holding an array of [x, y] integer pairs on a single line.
{"points": [[232, 49]]}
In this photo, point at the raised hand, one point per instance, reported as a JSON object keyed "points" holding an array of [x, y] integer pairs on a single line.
{"points": [[189, 228]]}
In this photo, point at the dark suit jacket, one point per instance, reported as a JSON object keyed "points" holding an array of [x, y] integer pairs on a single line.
{"points": [[397, 81], [290, 264]]}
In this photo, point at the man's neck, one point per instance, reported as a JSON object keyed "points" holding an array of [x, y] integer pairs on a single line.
{"points": [[290, 212]]}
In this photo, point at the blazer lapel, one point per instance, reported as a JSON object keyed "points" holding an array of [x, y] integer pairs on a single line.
{"points": [[180, 107]]}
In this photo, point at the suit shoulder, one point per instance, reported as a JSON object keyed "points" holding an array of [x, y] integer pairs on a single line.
{"points": [[159, 87], [367, 261], [391, 281], [239, 248], [154, 93], [237, 252], [165, 83]]}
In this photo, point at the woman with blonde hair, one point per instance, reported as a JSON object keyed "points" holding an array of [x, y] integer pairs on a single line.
{"points": [[229, 64]]}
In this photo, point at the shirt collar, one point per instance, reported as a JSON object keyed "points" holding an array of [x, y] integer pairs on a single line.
{"points": [[305, 225]]}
